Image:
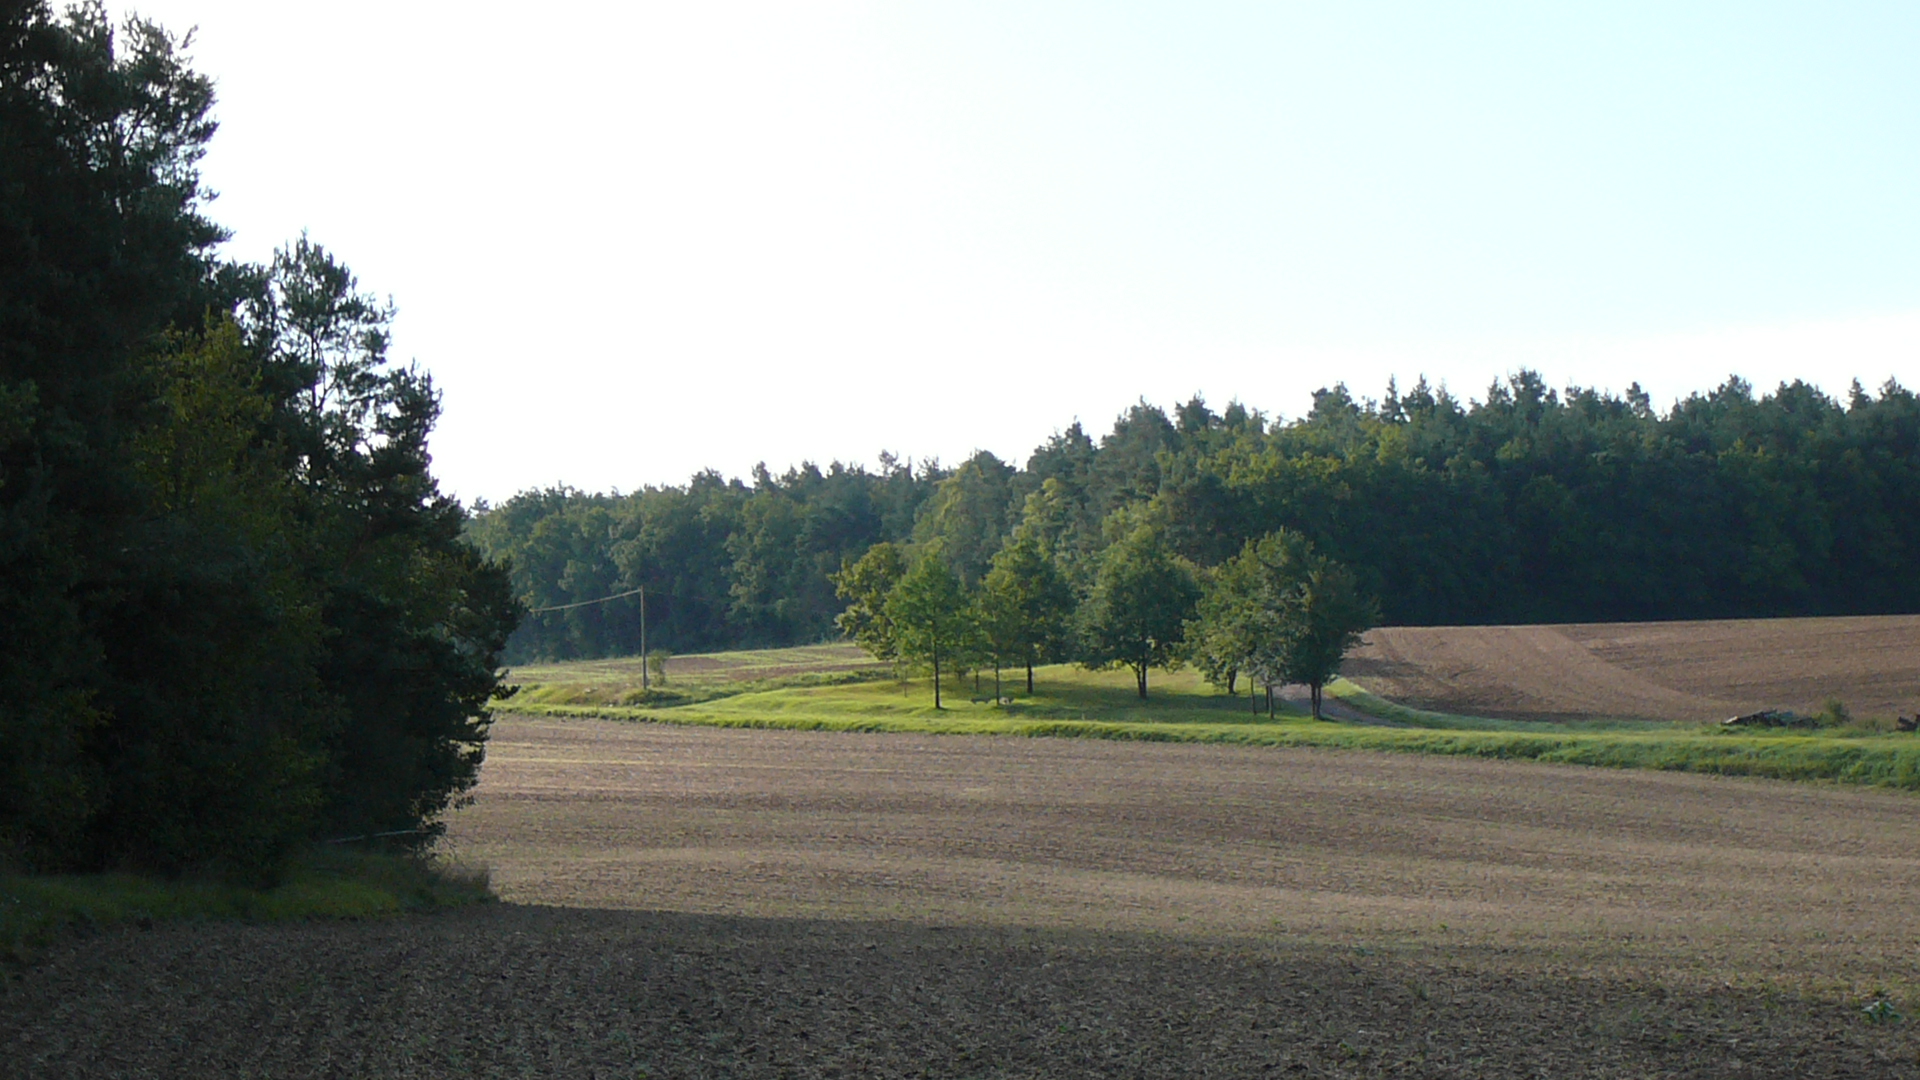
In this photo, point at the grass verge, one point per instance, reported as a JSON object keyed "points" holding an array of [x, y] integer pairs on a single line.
{"points": [[323, 884], [1074, 704], [684, 692]]}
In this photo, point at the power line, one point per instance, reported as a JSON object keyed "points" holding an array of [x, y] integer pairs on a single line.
{"points": [[586, 603], [621, 596], [642, 593]]}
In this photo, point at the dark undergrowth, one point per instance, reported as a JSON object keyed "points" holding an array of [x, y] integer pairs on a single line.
{"points": [[323, 883]]}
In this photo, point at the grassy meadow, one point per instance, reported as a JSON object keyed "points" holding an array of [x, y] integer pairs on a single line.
{"points": [[836, 688]]}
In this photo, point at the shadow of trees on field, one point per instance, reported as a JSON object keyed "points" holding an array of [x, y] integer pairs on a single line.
{"points": [[596, 992]]}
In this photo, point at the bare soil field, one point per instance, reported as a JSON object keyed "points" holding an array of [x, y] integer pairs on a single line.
{"points": [[1675, 874], [524, 991], [689, 901], [1688, 671]]}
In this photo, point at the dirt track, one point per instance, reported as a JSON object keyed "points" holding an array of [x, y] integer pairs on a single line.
{"points": [[1655, 671], [807, 904]]}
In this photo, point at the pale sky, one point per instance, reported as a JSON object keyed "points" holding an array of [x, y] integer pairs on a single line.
{"points": [[635, 240]]}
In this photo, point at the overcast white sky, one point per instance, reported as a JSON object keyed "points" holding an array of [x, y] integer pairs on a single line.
{"points": [[634, 240]]}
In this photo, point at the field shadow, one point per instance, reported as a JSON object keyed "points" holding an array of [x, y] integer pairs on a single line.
{"points": [[585, 992]]}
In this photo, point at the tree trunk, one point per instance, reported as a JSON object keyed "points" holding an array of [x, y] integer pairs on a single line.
{"points": [[1029, 672], [996, 680], [1314, 689], [1269, 701], [1140, 672], [936, 675], [1233, 676]]}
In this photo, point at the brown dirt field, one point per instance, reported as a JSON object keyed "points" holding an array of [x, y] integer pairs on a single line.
{"points": [[1686, 671], [769, 903], [1618, 869], [517, 991]]}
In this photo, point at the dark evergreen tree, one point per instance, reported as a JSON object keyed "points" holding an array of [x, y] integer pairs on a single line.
{"points": [[103, 243], [415, 618], [237, 613]]}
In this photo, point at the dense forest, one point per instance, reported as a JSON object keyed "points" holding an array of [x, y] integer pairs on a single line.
{"points": [[238, 615], [1526, 504]]}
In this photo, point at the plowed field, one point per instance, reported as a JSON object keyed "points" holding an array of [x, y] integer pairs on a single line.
{"points": [[701, 902], [1599, 867], [1652, 671]]}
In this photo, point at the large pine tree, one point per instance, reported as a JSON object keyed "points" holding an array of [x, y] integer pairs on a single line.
{"points": [[237, 613]]}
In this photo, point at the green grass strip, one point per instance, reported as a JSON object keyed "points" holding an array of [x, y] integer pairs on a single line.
{"points": [[36, 909], [1892, 761]]}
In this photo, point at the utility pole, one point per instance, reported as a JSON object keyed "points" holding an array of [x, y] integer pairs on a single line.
{"points": [[643, 639]]}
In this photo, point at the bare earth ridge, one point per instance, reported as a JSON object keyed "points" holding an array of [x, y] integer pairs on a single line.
{"points": [[1688, 671]]}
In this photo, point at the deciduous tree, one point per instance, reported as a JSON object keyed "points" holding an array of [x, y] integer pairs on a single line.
{"points": [[1142, 596], [1321, 619], [930, 615], [866, 585], [1237, 619], [1026, 605]]}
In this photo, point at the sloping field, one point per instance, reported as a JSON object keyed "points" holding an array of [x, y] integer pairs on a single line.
{"points": [[1684, 671], [708, 902], [1596, 869], [708, 668]]}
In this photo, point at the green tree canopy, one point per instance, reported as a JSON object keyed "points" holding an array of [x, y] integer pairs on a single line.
{"points": [[969, 514], [239, 614], [103, 243], [1280, 613], [1529, 504], [1321, 619], [1026, 605], [1141, 599], [1236, 621], [932, 620], [416, 618], [866, 585]]}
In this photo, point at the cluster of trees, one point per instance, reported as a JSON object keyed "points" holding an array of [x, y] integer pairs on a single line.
{"points": [[1528, 505], [725, 564], [238, 615], [1276, 613]]}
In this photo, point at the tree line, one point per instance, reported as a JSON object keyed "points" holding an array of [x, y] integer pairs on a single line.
{"points": [[239, 616], [1276, 613], [1526, 504]]}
